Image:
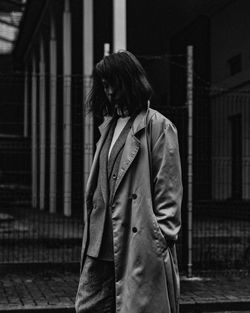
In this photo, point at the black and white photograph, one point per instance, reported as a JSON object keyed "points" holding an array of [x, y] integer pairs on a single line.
{"points": [[124, 156]]}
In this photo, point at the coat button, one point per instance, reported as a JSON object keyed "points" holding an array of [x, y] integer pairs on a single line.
{"points": [[134, 230], [134, 196], [114, 176]]}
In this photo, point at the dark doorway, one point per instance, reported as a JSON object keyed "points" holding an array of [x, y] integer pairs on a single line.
{"points": [[236, 152]]}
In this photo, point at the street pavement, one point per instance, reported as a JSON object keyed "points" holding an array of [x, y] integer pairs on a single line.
{"points": [[54, 291], [216, 294]]}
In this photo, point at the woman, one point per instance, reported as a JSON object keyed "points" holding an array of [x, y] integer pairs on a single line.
{"points": [[133, 198]]}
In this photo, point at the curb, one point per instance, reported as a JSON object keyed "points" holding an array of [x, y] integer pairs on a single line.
{"points": [[199, 306], [39, 309], [185, 307]]}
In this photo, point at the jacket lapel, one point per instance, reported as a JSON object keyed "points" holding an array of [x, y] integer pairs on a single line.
{"points": [[91, 183], [129, 153], [114, 153]]}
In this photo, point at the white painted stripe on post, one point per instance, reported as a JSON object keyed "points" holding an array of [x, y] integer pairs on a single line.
{"points": [[119, 25]]}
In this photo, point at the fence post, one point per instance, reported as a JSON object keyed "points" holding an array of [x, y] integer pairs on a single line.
{"points": [[67, 126], [190, 62], [53, 118], [42, 126], [88, 121], [34, 132]]}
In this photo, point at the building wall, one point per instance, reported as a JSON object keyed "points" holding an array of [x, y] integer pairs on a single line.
{"points": [[230, 37], [224, 108]]}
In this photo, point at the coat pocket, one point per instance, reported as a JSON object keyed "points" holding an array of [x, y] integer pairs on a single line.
{"points": [[160, 240]]}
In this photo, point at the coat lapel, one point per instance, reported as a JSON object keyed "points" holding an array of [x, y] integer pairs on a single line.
{"points": [[131, 148]]}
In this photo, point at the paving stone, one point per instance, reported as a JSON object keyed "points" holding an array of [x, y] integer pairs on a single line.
{"points": [[57, 290]]}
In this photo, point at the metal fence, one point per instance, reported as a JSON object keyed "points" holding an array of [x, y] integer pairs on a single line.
{"points": [[221, 219], [28, 233], [221, 179]]}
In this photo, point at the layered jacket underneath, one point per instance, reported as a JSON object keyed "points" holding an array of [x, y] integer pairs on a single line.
{"points": [[100, 225]]}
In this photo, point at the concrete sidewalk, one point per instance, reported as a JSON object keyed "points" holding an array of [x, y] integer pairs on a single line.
{"points": [[54, 291]]}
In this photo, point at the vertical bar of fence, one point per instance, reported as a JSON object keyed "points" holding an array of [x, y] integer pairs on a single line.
{"points": [[34, 133], [190, 62], [25, 113], [67, 127], [42, 126], [53, 115]]}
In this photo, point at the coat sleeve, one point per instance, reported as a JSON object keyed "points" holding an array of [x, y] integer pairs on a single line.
{"points": [[167, 183]]}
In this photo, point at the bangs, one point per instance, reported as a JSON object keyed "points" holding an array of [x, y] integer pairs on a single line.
{"points": [[105, 70]]}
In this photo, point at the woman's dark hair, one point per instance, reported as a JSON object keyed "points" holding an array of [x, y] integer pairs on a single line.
{"points": [[124, 72]]}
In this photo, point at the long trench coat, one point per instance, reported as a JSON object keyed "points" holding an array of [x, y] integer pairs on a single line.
{"points": [[146, 216]]}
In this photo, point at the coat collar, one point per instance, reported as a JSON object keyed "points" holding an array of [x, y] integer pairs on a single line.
{"points": [[138, 124]]}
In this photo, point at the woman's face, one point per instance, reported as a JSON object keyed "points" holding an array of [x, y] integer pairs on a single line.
{"points": [[109, 90], [114, 96]]}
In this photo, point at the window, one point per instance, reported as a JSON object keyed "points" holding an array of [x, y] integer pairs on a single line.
{"points": [[235, 64], [236, 154]]}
